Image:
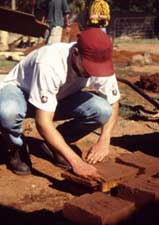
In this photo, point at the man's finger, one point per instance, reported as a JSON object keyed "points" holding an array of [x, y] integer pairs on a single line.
{"points": [[99, 178]]}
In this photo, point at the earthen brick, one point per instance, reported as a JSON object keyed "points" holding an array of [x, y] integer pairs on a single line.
{"points": [[147, 164], [142, 190], [111, 172], [97, 209]]}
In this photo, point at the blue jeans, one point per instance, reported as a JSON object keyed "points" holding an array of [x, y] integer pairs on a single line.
{"points": [[83, 112]]}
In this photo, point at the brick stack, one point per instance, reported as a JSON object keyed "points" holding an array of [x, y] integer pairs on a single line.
{"points": [[137, 185], [98, 209], [145, 163]]}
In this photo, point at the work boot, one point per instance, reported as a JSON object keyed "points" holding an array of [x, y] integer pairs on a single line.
{"points": [[15, 164]]}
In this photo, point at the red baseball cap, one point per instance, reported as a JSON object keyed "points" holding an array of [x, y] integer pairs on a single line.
{"points": [[95, 48]]}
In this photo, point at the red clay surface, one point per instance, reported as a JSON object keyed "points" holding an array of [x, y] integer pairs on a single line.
{"points": [[38, 198]]}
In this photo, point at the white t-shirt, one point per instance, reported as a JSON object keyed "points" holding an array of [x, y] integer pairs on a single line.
{"points": [[44, 76]]}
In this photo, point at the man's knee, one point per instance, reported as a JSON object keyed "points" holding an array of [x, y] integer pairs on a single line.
{"points": [[8, 115], [103, 111]]}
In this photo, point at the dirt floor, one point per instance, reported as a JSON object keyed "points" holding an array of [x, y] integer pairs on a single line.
{"points": [[39, 198]]}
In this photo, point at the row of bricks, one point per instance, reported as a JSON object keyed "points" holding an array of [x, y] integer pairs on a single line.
{"points": [[100, 208], [132, 177], [126, 166]]}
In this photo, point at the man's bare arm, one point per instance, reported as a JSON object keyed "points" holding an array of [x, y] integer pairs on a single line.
{"points": [[107, 129], [101, 149], [45, 126]]}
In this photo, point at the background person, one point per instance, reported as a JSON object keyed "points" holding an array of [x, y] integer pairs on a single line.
{"points": [[58, 18], [99, 14]]}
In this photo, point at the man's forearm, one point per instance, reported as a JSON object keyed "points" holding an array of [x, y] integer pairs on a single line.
{"points": [[101, 149], [54, 138], [57, 142], [106, 130]]}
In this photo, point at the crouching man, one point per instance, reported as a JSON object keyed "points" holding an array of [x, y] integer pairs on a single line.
{"points": [[52, 80]]}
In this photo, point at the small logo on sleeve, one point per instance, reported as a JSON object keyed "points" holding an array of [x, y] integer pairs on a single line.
{"points": [[44, 99], [114, 92]]}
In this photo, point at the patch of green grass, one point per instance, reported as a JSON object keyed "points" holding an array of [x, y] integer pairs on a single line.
{"points": [[156, 97], [125, 111], [7, 63]]}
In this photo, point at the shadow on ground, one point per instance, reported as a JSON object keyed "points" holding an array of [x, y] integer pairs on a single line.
{"points": [[146, 216], [137, 113], [147, 143], [64, 185], [11, 216], [35, 148]]}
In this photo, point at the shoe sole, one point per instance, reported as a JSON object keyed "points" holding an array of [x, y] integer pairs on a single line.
{"points": [[21, 173]]}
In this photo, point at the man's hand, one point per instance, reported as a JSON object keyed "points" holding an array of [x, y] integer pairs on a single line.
{"points": [[53, 137], [87, 171], [101, 149], [97, 153], [94, 16]]}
